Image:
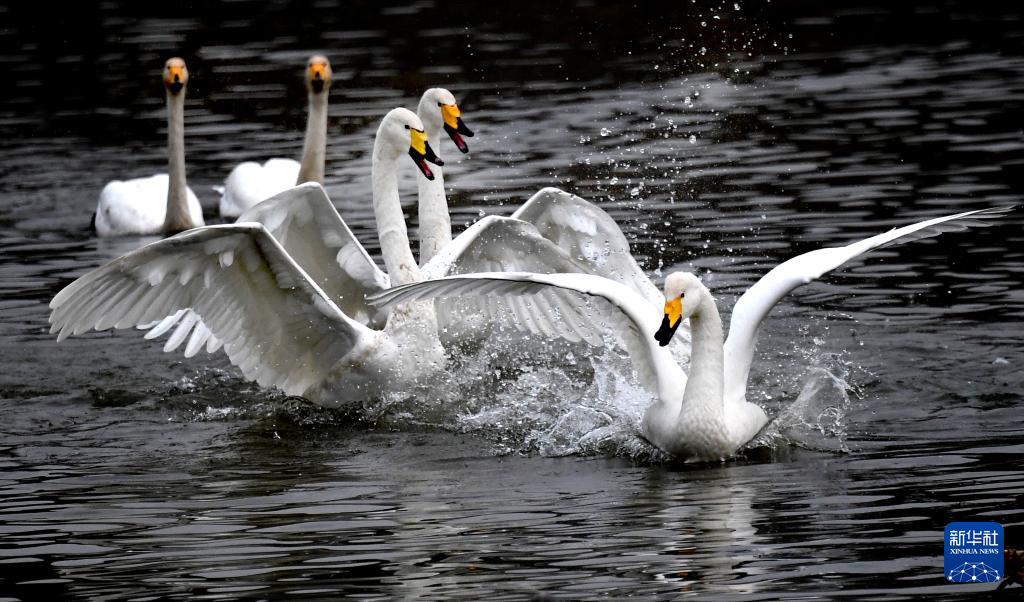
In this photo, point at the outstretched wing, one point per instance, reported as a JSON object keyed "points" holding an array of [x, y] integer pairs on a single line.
{"points": [[589, 235], [277, 325], [502, 244], [307, 225], [620, 310], [758, 300]]}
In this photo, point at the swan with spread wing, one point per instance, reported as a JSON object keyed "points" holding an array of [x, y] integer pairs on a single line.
{"points": [[241, 289], [703, 415]]}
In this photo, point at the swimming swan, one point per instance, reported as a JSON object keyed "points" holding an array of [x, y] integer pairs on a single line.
{"points": [[159, 203], [249, 182], [705, 416]]}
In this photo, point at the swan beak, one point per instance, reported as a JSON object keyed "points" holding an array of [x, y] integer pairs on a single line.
{"points": [[420, 151], [317, 77], [455, 127], [175, 78], [673, 318]]}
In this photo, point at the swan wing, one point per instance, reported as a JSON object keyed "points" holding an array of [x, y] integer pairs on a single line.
{"points": [[307, 225], [589, 235], [502, 244], [314, 235], [618, 309], [276, 324], [758, 300]]}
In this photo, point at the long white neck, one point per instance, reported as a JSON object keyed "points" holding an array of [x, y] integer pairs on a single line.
{"points": [[705, 387], [177, 218], [391, 229], [435, 222], [314, 149]]}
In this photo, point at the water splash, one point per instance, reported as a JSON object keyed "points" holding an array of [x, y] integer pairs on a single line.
{"points": [[817, 418]]}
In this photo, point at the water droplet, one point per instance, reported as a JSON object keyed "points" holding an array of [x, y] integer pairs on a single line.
{"points": [[634, 192], [605, 131], [584, 139], [693, 139]]}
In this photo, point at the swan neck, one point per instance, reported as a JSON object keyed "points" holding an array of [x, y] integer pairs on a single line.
{"points": [[705, 388], [314, 148], [387, 208], [435, 222], [177, 217]]}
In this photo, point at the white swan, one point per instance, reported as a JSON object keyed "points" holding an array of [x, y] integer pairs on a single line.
{"points": [[249, 182], [439, 112], [705, 417], [159, 203], [276, 323]]}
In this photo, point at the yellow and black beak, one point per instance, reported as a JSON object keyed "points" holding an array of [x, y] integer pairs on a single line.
{"points": [[174, 79], [455, 127], [673, 318], [420, 151], [317, 77]]}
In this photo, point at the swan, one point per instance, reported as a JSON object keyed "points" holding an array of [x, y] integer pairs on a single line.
{"points": [[705, 416], [276, 324], [160, 203], [249, 182], [439, 112]]}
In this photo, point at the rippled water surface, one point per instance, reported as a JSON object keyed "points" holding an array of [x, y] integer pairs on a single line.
{"points": [[723, 139]]}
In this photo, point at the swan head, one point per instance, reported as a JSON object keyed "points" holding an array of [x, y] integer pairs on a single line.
{"points": [[440, 111], [318, 74], [683, 296], [175, 75], [402, 129]]}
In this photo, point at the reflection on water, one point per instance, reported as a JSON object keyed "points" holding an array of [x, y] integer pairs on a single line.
{"points": [[132, 473]]}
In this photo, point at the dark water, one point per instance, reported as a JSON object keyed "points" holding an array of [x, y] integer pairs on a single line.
{"points": [[724, 138]]}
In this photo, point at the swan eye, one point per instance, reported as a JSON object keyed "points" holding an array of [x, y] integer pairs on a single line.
{"points": [[406, 127], [681, 295], [440, 104]]}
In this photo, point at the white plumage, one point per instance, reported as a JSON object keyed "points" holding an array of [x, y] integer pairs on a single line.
{"points": [[139, 206], [250, 182]]}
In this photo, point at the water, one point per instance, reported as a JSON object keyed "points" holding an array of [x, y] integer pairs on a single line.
{"points": [[133, 474]]}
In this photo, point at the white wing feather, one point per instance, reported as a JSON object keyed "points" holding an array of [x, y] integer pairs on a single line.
{"points": [[589, 235], [307, 225], [501, 244], [276, 325], [632, 317], [758, 300]]}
